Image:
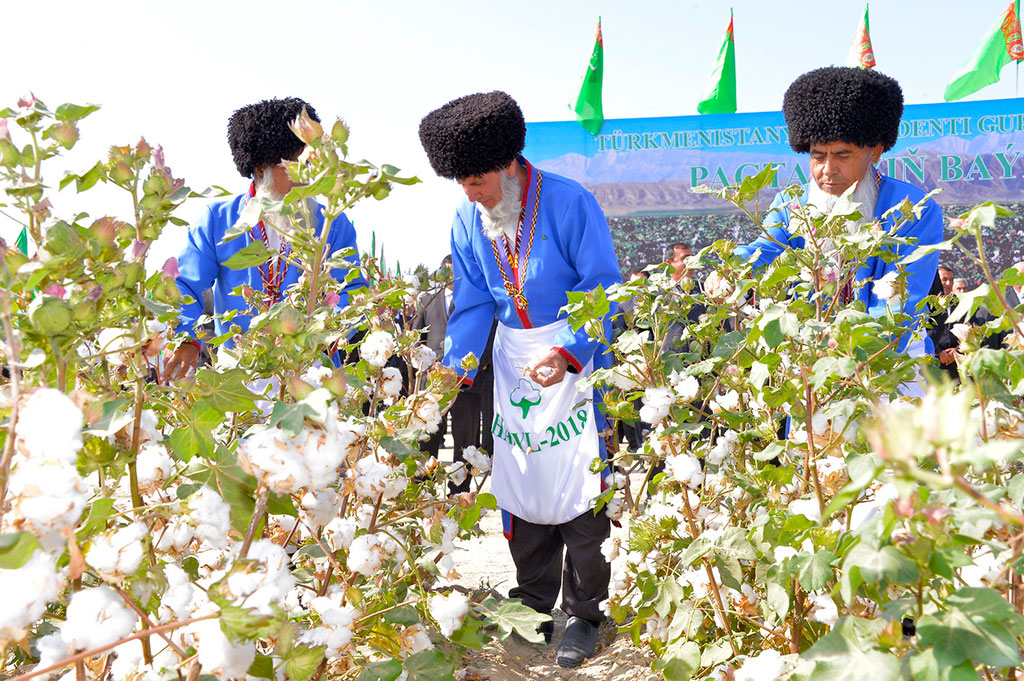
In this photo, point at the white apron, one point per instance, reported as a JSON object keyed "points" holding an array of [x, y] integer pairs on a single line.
{"points": [[544, 438]]}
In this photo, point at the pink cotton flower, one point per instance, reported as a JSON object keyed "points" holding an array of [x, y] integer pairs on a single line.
{"points": [[4, 132], [139, 249], [170, 268], [55, 290], [27, 101], [956, 223], [331, 299]]}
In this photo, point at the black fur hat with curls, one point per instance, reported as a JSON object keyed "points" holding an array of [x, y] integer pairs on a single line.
{"points": [[473, 135], [843, 104], [259, 135]]}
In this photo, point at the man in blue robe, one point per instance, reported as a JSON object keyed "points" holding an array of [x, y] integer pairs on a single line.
{"points": [[261, 140], [846, 118], [521, 240]]}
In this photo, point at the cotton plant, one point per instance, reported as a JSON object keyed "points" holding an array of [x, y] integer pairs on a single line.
{"points": [[270, 516], [792, 511]]}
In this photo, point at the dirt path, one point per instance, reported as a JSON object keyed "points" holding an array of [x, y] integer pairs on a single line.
{"points": [[484, 562]]}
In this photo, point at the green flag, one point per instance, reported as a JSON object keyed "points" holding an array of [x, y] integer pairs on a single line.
{"points": [[589, 111], [22, 241], [1001, 46], [720, 92]]}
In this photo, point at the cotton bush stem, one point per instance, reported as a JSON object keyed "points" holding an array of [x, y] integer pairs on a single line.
{"points": [[810, 468], [1005, 513], [86, 654], [149, 623], [257, 515], [12, 365], [719, 603]]}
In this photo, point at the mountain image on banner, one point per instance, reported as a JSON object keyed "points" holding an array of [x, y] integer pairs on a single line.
{"points": [[1001, 46], [862, 55]]}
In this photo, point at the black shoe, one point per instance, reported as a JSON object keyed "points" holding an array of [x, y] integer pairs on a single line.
{"points": [[548, 629], [578, 643]]}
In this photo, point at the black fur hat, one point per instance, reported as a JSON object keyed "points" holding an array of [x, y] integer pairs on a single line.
{"points": [[259, 134], [843, 104], [473, 135]]}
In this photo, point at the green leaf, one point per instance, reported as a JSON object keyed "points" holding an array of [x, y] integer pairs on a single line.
{"points": [[112, 419], [252, 255], [74, 112], [777, 598], [405, 615], [96, 521], [511, 615], [16, 549], [818, 570], [262, 667], [399, 448], [974, 628], [301, 661], [281, 504], [885, 564], [225, 391], [240, 624], [428, 665], [727, 344], [222, 473], [850, 653], [381, 671], [469, 635], [197, 436], [680, 661]]}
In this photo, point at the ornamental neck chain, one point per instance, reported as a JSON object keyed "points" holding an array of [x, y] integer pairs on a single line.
{"points": [[273, 271], [513, 260]]}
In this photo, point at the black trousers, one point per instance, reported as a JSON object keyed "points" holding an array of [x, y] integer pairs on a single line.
{"points": [[465, 425], [540, 570]]}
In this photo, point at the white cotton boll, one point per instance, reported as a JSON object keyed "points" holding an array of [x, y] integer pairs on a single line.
{"points": [[339, 533], [808, 508], [371, 477], [333, 639], [819, 423], [768, 666], [614, 508], [218, 655], [377, 348], [423, 358], [986, 571], [686, 469], [387, 545], [616, 480], [415, 639], [149, 427], [47, 497], [610, 548], [265, 584], [320, 507], [274, 459], [449, 531], [390, 382], [480, 462], [686, 387], [364, 515], [117, 554], [621, 379], [885, 288], [337, 621], [364, 555], [448, 611], [154, 466], [457, 472], [426, 414], [323, 450], [823, 609], [175, 535], [97, 617], [182, 598], [52, 649], [657, 403], [49, 426], [210, 516], [730, 401], [725, 447], [317, 374], [26, 591]]}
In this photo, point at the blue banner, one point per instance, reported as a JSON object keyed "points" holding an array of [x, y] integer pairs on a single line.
{"points": [[647, 166]]}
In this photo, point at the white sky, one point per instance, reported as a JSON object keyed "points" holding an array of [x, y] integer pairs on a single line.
{"points": [[174, 72]]}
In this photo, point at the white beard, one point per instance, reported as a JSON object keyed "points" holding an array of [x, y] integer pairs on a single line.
{"points": [[864, 194], [503, 219], [275, 222]]}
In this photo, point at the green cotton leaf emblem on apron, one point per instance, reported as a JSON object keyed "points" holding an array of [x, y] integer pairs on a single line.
{"points": [[525, 396]]}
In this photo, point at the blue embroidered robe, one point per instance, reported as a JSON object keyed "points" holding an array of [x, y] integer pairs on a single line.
{"points": [[920, 274], [201, 265]]}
